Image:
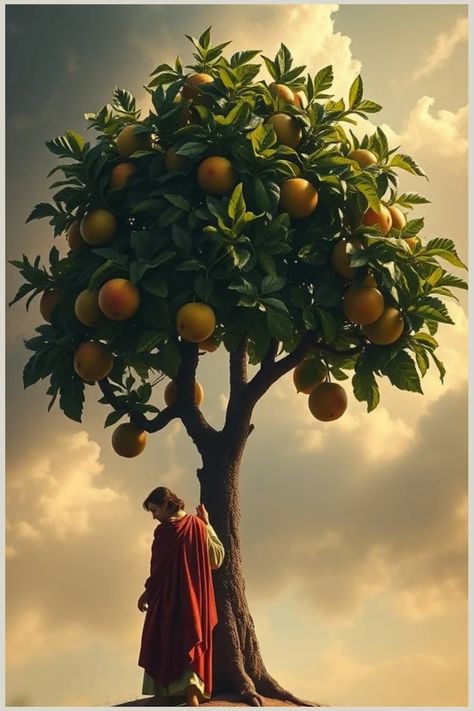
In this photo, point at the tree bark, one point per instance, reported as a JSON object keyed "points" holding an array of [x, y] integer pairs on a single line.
{"points": [[238, 665]]}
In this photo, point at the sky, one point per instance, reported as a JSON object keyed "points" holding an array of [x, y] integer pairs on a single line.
{"points": [[354, 533]]}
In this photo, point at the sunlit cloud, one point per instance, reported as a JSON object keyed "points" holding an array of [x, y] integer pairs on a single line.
{"points": [[442, 49]]}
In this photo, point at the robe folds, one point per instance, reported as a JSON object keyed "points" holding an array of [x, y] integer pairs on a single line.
{"points": [[177, 632]]}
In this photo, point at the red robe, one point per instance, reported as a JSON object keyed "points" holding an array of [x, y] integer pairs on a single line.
{"points": [[177, 632]]}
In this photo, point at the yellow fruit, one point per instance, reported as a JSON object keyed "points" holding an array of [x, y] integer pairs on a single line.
{"points": [[121, 174], [195, 322], [209, 345], [119, 299], [98, 227], [387, 329], [129, 140], [411, 242], [363, 157], [86, 308], [363, 304], [74, 237], [327, 401], [49, 300], [287, 129], [300, 100], [128, 440], [173, 161], [308, 374], [341, 260], [398, 218], [93, 361], [216, 176], [191, 88], [171, 393], [298, 197], [282, 91], [384, 220]]}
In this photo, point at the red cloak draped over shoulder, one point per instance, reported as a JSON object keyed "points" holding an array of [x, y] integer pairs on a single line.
{"points": [[177, 632]]}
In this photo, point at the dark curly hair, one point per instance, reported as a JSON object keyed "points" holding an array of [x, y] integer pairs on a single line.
{"points": [[162, 496]]}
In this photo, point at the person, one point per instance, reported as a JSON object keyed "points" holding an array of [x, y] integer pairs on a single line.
{"points": [[176, 644]]}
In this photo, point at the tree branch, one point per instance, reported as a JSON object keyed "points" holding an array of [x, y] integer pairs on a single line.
{"points": [[154, 425], [270, 372], [235, 416]]}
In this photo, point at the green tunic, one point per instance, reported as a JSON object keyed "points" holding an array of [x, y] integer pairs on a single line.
{"points": [[179, 686]]}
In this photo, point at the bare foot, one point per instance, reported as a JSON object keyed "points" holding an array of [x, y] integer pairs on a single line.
{"points": [[192, 698]]}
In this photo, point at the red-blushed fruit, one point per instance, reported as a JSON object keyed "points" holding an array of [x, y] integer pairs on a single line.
{"points": [[327, 401], [121, 174], [382, 220], [170, 393], [341, 260], [387, 329], [363, 304], [48, 302], [98, 227], [398, 218], [195, 322], [287, 129], [298, 197], [216, 176], [93, 361], [130, 140], [309, 373], [74, 237], [86, 308], [363, 157], [128, 440], [119, 299]]}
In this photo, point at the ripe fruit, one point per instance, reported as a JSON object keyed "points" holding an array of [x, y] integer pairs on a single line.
{"points": [[298, 197], [286, 128], [363, 157], [216, 176], [171, 393], [86, 308], [387, 329], [191, 88], [282, 91], [130, 140], [93, 361], [369, 280], [308, 374], [299, 100], [49, 299], [173, 161], [128, 440], [327, 401], [384, 220], [411, 242], [209, 345], [98, 227], [341, 260], [363, 304], [121, 174], [398, 218], [195, 322], [74, 237], [119, 299]]}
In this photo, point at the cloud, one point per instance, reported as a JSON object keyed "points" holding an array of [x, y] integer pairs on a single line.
{"points": [[443, 47]]}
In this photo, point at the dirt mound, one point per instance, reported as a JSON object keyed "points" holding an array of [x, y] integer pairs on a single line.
{"points": [[218, 700]]}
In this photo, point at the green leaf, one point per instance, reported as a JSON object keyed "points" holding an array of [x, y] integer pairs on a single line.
{"points": [[402, 373], [323, 81], [193, 149], [409, 199], [444, 248], [365, 185], [422, 360], [401, 160], [432, 309], [205, 38], [425, 339], [365, 388], [154, 285], [412, 228], [143, 244], [43, 209], [328, 324], [179, 201], [237, 207], [71, 145], [123, 100], [71, 398], [113, 417], [279, 325], [148, 340], [355, 92], [107, 270], [368, 107], [271, 284], [439, 365]]}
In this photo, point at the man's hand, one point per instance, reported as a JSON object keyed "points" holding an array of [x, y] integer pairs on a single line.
{"points": [[201, 513], [143, 602]]}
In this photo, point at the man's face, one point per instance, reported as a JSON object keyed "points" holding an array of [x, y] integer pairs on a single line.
{"points": [[158, 512]]}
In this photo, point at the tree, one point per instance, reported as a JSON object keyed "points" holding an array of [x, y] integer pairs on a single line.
{"points": [[245, 216]]}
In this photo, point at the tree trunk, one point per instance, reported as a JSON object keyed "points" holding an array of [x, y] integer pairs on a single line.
{"points": [[238, 665]]}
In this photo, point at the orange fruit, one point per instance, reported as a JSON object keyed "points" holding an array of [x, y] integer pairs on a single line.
{"points": [[298, 197], [98, 227], [49, 300], [191, 91], [327, 401], [171, 393], [363, 157], [282, 91], [173, 161], [74, 237], [128, 440], [398, 218], [384, 220], [130, 140], [363, 304], [341, 260], [86, 308], [121, 174], [195, 322], [216, 176], [387, 329], [308, 374], [287, 129], [119, 299], [93, 361]]}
